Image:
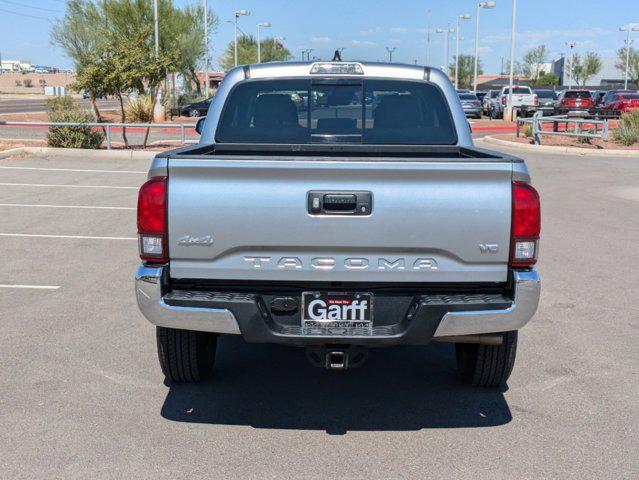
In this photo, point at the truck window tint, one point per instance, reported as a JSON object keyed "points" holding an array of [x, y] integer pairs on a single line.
{"points": [[301, 111], [518, 90], [401, 112], [575, 94], [336, 113]]}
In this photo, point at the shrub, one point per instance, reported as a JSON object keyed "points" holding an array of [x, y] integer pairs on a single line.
{"points": [[18, 82], [28, 82], [140, 109], [528, 131], [625, 134], [627, 131], [64, 109]]}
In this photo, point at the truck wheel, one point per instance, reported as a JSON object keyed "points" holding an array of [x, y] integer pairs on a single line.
{"points": [[186, 355], [487, 365]]}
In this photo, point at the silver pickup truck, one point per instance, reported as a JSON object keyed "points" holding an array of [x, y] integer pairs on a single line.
{"points": [[338, 206]]}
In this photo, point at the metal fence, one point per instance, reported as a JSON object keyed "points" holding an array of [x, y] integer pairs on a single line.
{"points": [[572, 127], [107, 127]]}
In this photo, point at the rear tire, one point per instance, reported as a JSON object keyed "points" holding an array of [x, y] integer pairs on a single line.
{"points": [[186, 355], [487, 365]]}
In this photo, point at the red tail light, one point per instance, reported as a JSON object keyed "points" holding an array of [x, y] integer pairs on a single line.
{"points": [[526, 225], [152, 220], [536, 100], [477, 104], [503, 100]]}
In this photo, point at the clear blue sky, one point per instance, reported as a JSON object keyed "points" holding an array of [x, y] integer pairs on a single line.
{"points": [[366, 27]]}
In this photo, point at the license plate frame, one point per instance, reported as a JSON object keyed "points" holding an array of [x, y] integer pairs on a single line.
{"points": [[360, 317]]}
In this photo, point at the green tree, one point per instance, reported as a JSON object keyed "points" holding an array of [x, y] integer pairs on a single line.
{"points": [[532, 63], [272, 50], [76, 34], [587, 67], [112, 44], [547, 80], [466, 67], [633, 64]]}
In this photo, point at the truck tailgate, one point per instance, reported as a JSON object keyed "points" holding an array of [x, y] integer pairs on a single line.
{"points": [[247, 219]]}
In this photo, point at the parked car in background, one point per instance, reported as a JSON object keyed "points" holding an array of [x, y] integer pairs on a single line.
{"points": [[522, 98], [620, 103], [481, 94], [471, 105], [196, 109], [490, 97], [597, 96], [607, 98], [546, 102], [575, 103], [86, 95]]}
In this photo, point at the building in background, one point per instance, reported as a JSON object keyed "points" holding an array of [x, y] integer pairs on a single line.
{"points": [[609, 76], [16, 66]]}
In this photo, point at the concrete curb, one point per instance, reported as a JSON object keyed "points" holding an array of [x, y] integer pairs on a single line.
{"points": [[555, 149], [80, 153], [11, 152]]}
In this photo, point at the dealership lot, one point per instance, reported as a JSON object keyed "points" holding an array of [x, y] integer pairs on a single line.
{"points": [[82, 394]]}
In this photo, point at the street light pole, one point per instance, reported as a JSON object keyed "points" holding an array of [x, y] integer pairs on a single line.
{"points": [[447, 31], [464, 16], [572, 59], [390, 54], [480, 5], [512, 56], [158, 111], [155, 21], [628, 28], [237, 15], [206, 49], [259, 50]]}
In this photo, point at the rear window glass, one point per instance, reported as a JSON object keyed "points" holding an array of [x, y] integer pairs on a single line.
{"points": [[546, 94], [629, 96], [578, 94], [468, 96], [336, 111], [516, 90]]}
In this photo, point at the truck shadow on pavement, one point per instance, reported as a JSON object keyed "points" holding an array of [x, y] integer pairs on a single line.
{"points": [[270, 386]]}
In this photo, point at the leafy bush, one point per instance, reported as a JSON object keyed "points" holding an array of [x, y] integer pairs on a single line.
{"points": [[140, 109], [18, 82], [627, 131], [64, 109], [28, 82]]}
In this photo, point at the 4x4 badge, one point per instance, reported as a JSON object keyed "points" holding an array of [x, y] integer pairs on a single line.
{"points": [[189, 241]]}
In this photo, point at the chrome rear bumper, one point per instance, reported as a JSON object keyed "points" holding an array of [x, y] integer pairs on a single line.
{"points": [[148, 289]]}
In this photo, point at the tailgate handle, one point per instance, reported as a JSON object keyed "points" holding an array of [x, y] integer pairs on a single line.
{"points": [[339, 203]]}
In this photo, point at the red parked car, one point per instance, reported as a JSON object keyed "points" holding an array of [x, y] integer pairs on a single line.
{"points": [[575, 103], [620, 103]]}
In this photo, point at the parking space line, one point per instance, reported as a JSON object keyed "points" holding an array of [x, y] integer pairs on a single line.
{"points": [[64, 186], [80, 237], [35, 287], [71, 170], [90, 207]]}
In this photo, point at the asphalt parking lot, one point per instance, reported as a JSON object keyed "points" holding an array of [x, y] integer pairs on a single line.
{"points": [[82, 394]]}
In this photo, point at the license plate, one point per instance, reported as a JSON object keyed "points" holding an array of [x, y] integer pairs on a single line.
{"points": [[337, 310]]}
